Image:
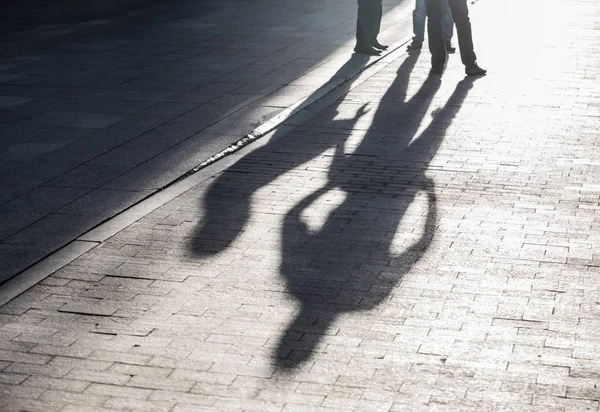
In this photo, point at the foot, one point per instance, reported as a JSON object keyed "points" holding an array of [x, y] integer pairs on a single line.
{"points": [[475, 70], [415, 45], [378, 45], [450, 48], [368, 50], [436, 70]]}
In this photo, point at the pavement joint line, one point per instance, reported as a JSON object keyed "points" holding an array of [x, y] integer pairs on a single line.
{"points": [[56, 260], [44, 268]]}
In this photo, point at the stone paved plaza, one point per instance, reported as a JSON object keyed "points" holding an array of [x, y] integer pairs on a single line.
{"points": [[407, 243]]}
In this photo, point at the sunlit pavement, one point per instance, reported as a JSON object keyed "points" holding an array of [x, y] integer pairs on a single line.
{"points": [[422, 243]]}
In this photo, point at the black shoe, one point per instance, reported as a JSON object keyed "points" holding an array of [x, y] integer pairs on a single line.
{"points": [[369, 50], [378, 45], [450, 48], [415, 45], [436, 70], [475, 70]]}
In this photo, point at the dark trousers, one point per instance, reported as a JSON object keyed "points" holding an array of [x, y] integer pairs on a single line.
{"points": [[460, 14], [368, 22]]}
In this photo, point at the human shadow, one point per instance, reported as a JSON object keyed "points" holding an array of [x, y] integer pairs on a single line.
{"points": [[353, 263], [226, 206]]}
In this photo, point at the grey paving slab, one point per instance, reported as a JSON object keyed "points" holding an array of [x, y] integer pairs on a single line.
{"points": [[76, 119], [88, 176], [14, 257], [105, 94], [87, 105], [120, 133], [20, 133], [105, 203], [38, 273], [54, 229], [10, 101], [246, 119], [27, 91], [11, 191], [10, 116], [63, 81], [146, 178], [13, 221], [44, 199], [185, 155], [29, 151], [145, 147]]}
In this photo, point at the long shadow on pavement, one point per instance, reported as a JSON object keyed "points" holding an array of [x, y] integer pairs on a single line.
{"points": [[352, 262], [227, 207]]}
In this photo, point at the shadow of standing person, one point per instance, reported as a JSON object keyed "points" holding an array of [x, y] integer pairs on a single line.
{"points": [[227, 207], [355, 242]]}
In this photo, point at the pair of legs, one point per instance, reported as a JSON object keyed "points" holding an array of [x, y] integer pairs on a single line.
{"points": [[437, 47], [368, 25], [419, 18]]}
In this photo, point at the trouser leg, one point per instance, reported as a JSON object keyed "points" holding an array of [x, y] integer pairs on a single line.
{"points": [[378, 15], [419, 18], [447, 22], [460, 14], [368, 21], [434, 32]]}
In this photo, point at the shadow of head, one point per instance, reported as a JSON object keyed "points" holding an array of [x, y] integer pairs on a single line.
{"points": [[226, 206], [349, 264], [355, 274]]}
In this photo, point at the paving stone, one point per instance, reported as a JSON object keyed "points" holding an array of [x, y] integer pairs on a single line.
{"points": [[12, 378], [124, 403], [13, 221], [28, 404], [43, 200], [119, 391], [56, 384], [54, 396], [24, 357], [85, 408], [107, 378], [87, 176], [62, 227], [104, 202]]}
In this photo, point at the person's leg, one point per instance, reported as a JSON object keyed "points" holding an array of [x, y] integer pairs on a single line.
{"points": [[361, 30], [460, 13], [377, 16], [365, 30], [447, 22], [436, 39], [419, 17]]}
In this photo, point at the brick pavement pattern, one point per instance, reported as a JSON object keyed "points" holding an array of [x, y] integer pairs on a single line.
{"points": [[421, 243]]}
